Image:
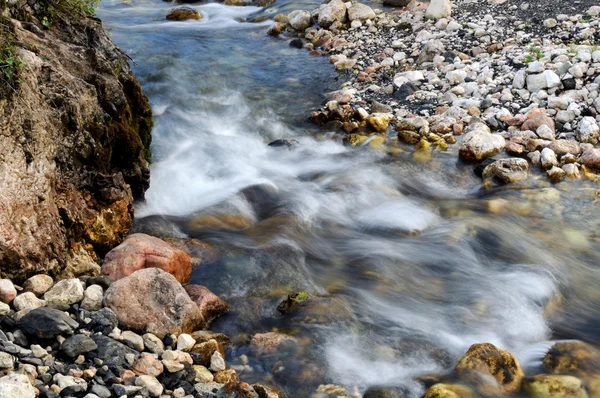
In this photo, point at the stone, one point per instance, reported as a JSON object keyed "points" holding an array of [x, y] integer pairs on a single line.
{"points": [[38, 284], [507, 170], [206, 349], [591, 158], [126, 390], [67, 291], [92, 298], [64, 381], [172, 366], [148, 364], [588, 130], [334, 11], [396, 3], [27, 301], [16, 385], [449, 391], [271, 343], [78, 344], [563, 147], [141, 251], [151, 300], [360, 12], [439, 9], [183, 14], [300, 19], [536, 122], [548, 158], [100, 391], [47, 323], [545, 132], [217, 363], [572, 358], [7, 291], [572, 171], [132, 340], [556, 174], [7, 361], [155, 389], [542, 81], [153, 344], [485, 359], [479, 144], [225, 376], [210, 305], [554, 386], [379, 121], [4, 309], [112, 352], [203, 375]]}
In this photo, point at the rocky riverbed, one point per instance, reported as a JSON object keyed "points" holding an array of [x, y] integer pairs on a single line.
{"points": [[514, 95]]}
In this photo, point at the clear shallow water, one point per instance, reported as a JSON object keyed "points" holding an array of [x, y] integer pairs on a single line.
{"points": [[413, 262]]}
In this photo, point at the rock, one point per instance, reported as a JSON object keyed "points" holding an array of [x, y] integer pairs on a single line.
{"points": [[7, 361], [379, 121], [360, 12], [57, 217], [38, 284], [208, 390], [100, 391], [396, 3], [147, 364], [545, 132], [206, 349], [68, 291], [4, 309], [141, 251], [132, 340], [185, 342], [507, 170], [153, 344], [7, 291], [334, 11], [203, 375], [383, 392], [480, 144], [271, 343], [572, 171], [152, 300], [548, 158], [77, 345], [554, 386], [300, 19], [183, 14], [542, 81], [113, 353], [172, 366], [225, 376], [449, 391], [155, 389], [591, 158], [210, 305], [556, 174], [46, 323], [572, 358], [275, 29], [126, 390], [237, 389], [92, 298], [588, 130], [104, 320], [217, 363], [563, 147], [536, 122], [439, 9], [16, 385]]}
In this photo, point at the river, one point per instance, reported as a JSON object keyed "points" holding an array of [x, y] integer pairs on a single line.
{"points": [[410, 262]]}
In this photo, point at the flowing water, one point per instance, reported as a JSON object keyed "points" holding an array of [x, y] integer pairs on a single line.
{"points": [[408, 263]]}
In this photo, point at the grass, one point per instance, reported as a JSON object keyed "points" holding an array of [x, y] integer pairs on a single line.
{"points": [[10, 62], [535, 53], [52, 10]]}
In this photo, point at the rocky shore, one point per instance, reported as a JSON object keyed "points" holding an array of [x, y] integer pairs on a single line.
{"points": [[517, 96]]}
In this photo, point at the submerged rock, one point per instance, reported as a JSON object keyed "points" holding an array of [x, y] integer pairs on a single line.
{"points": [[507, 170], [299, 20], [210, 305], [183, 14], [152, 301], [572, 358], [449, 391]]}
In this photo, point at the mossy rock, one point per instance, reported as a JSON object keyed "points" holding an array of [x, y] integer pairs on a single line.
{"points": [[449, 391], [572, 358], [554, 386], [183, 14]]}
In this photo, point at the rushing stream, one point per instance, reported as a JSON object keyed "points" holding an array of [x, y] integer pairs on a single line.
{"points": [[412, 263]]}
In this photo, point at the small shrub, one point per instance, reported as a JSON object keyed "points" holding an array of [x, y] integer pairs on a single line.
{"points": [[10, 62]]}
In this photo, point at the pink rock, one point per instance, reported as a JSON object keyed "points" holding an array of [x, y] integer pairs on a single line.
{"points": [[151, 300], [271, 343], [147, 364], [533, 124], [210, 305], [7, 291], [141, 251], [515, 120], [591, 158]]}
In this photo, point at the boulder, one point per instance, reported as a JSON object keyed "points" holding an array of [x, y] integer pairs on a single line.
{"points": [[152, 300], [68, 291], [484, 360], [16, 385], [92, 298], [183, 14], [591, 158], [334, 11], [480, 144], [148, 364], [572, 358], [113, 353], [439, 9], [299, 20], [563, 147], [588, 130], [27, 301], [210, 305], [77, 345], [507, 170], [7, 291], [38, 284], [141, 251], [360, 12], [542, 81], [449, 391], [47, 323], [554, 386]]}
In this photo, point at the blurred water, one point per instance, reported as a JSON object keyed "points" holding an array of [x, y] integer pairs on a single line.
{"points": [[414, 262]]}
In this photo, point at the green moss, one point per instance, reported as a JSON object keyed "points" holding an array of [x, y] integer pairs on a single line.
{"points": [[10, 62], [302, 296]]}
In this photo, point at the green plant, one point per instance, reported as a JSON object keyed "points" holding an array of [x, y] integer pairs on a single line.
{"points": [[536, 52], [10, 62], [51, 10]]}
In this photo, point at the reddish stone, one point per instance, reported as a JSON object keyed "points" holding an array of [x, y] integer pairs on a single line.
{"points": [[535, 113], [514, 148], [7, 291], [515, 120], [271, 343], [533, 124], [141, 251], [209, 304], [147, 364], [591, 158], [563, 147]]}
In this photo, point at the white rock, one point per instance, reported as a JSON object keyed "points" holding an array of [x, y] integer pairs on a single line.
{"points": [[4, 309], [67, 291], [456, 76], [153, 344], [547, 79], [185, 342], [588, 130], [66, 381], [16, 385], [155, 389], [439, 9], [558, 102], [27, 301], [535, 67], [92, 298], [453, 26], [548, 158], [334, 11], [217, 363], [550, 23], [133, 340], [300, 19], [593, 11], [519, 79], [7, 361], [545, 132], [410, 76], [38, 284], [360, 12]]}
